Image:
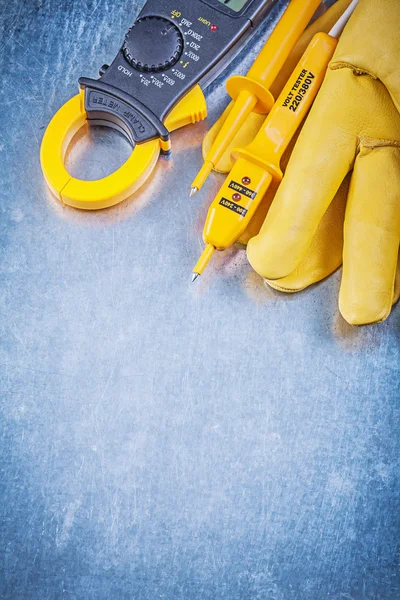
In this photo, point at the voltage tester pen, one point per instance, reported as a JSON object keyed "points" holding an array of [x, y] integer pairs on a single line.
{"points": [[251, 93], [258, 164]]}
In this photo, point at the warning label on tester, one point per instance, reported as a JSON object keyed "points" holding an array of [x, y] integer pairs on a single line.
{"points": [[299, 90], [242, 190], [240, 210]]}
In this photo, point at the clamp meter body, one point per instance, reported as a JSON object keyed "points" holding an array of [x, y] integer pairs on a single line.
{"points": [[153, 86], [170, 48]]}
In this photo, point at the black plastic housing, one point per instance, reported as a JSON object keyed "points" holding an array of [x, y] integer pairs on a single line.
{"points": [[137, 103]]}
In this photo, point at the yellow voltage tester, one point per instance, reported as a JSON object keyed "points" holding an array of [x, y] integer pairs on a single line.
{"points": [[251, 93], [154, 86], [258, 164]]}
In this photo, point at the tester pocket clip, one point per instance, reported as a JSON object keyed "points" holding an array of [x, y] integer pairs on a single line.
{"points": [[153, 86]]}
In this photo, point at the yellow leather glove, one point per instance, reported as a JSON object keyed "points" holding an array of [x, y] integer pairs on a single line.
{"points": [[353, 131]]}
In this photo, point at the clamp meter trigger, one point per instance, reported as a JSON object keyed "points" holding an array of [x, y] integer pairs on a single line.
{"points": [[153, 86]]}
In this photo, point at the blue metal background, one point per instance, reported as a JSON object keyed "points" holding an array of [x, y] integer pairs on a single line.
{"points": [[158, 439]]}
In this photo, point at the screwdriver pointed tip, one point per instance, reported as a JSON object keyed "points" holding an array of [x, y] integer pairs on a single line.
{"points": [[195, 276], [193, 191]]}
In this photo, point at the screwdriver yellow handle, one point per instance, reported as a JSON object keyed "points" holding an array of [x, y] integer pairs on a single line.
{"points": [[258, 164]]}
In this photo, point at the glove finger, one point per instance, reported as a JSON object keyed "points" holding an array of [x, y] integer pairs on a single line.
{"points": [[372, 236], [323, 156], [324, 256]]}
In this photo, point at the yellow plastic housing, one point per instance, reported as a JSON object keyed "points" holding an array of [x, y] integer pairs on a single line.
{"points": [[106, 192], [292, 106], [251, 93], [258, 164]]}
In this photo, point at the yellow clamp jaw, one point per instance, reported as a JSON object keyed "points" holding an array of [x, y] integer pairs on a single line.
{"points": [[106, 192]]}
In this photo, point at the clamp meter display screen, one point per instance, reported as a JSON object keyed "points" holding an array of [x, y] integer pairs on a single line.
{"points": [[235, 5]]}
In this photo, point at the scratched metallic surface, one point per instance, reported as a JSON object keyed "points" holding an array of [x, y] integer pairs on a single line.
{"points": [[161, 439]]}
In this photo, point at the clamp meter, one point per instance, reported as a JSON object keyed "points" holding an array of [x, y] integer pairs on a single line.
{"points": [[153, 86]]}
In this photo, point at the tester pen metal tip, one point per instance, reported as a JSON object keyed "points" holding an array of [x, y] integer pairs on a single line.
{"points": [[193, 191], [202, 175], [203, 261]]}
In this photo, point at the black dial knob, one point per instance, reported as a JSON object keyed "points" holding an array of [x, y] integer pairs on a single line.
{"points": [[153, 44]]}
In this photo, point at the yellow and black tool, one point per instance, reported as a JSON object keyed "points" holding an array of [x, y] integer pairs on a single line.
{"points": [[258, 164], [153, 86], [251, 93]]}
